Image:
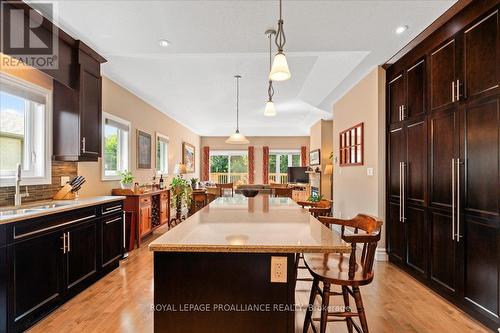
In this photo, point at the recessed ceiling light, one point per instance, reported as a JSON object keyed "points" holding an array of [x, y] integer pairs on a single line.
{"points": [[164, 43], [401, 29]]}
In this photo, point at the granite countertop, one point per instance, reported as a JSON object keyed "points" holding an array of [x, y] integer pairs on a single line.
{"points": [[254, 225], [30, 210]]}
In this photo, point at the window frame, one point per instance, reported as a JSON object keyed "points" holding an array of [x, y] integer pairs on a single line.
{"points": [[126, 123], [26, 178], [161, 171], [229, 154], [284, 152]]}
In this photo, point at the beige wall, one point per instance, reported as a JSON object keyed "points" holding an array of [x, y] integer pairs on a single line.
{"points": [[321, 138], [273, 142], [122, 103], [355, 191]]}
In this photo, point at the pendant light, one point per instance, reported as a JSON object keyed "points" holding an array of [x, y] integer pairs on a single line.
{"points": [[237, 138], [270, 110], [280, 70]]}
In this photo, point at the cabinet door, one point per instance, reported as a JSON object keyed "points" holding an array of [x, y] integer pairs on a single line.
{"points": [[480, 212], [396, 156], [481, 58], [112, 239], [35, 278], [416, 239], [145, 219], [90, 114], [416, 162], [443, 74], [396, 232], [164, 207], [396, 98], [415, 90], [81, 257]]}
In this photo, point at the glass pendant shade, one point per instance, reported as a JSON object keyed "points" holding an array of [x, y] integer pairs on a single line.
{"points": [[237, 139], [280, 70], [270, 110]]}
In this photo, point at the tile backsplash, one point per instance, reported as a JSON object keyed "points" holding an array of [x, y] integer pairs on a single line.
{"points": [[41, 192]]}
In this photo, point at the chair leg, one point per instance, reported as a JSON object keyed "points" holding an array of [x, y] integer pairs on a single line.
{"points": [[361, 310], [348, 321], [324, 307], [312, 297]]}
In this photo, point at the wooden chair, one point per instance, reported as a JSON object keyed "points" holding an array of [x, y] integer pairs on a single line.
{"points": [[282, 192], [224, 187], [213, 193], [348, 271], [199, 200]]}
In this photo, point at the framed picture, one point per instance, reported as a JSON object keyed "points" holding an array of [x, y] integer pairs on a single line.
{"points": [[143, 150], [188, 156], [314, 157]]}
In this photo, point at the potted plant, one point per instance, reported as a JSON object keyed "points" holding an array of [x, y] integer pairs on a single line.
{"points": [[127, 180], [194, 182], [315, 198], [180, 190]]}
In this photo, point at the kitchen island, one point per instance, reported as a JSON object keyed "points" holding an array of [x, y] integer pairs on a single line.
{"points": [[230, 267]]}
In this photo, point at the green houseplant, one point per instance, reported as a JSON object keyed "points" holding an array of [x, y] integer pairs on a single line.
{"points": [[180, 190], [127, 179]]}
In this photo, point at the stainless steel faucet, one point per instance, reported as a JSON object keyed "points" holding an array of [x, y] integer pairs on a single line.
{"points": [[18, 197]]}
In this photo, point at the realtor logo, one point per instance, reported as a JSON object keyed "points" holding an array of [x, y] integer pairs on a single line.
{"points": [[25, 36]]}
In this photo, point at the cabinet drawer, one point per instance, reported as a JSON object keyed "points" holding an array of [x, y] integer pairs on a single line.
{"points": [[112, 207], [37, 226], [145, 201]]}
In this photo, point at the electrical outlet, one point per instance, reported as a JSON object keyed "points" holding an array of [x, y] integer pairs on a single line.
{"points": [[64, 180], [278, 269], [369, 171]]}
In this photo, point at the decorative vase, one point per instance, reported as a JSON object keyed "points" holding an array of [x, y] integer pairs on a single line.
{"points": [[126, 186]]}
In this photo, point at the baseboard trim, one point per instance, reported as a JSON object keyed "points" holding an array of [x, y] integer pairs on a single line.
{"points": [[381, 254]]}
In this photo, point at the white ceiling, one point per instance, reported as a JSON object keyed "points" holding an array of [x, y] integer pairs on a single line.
{"points": [[330, 46]]}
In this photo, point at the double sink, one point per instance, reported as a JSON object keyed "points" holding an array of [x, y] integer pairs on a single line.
{"points": [[32, 209]]}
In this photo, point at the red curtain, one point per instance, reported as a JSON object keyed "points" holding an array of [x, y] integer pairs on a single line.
{"points": [[303, 155], [205, 169], [265, 165], [251, 165]]}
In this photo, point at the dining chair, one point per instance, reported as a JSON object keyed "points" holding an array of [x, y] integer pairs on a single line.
{"points": [[348, 271], [224, 187], [282, 192]]}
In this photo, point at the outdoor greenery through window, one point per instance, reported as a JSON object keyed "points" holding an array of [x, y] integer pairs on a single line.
{"points": [[25, 136], [116, 143], [229, 167], [161, 154], [279, 161]]}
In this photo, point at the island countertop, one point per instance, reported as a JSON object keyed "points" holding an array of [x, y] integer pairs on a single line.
{"points": [[251, 225]]}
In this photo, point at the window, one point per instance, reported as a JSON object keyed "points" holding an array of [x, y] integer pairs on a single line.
{"points": [[161, 154], [279, 161], [351, 146], [229, 167], [25, 132], [116, 147]]}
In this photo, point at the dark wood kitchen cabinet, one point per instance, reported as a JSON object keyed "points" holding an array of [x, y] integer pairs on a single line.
{"points": [[78, 111], [450, 150], [48, 260]]}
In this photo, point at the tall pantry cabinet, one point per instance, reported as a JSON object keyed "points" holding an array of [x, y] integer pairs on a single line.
{"points": [[443, 161]]}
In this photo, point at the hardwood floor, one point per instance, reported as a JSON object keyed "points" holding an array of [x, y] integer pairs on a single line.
{"points": [[121, 302]]}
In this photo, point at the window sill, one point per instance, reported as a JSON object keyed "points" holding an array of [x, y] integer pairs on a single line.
{"points": [[110, 178], [8, 182]]}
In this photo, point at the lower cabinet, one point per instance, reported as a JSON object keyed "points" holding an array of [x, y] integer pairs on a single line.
{"points": [[50, 259]]}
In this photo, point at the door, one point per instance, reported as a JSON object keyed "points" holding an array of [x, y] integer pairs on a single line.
{"points": [[164, 208], [396, 98], [145, 219], [36, 272], [81, 256], [443, 75], [479, 212], [415, 90], [444, 151], [90, 114], [414, 196], [112, 239], [481, 58]]}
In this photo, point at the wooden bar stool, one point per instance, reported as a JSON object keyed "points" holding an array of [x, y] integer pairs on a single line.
{"points": [[224, 187], [347, 271]]}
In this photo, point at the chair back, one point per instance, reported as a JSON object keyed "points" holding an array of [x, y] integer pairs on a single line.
{"points": [[283, 192], [371, 228], [225, 186]]}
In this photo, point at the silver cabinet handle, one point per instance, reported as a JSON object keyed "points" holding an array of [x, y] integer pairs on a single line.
{"points": [[453, 91], [403, 112], [64, 243], [69, 242], [399, 113], [83, 145], [457, 86], [453, 199], [113, 220], [110, 210], [84, 148], [400, 192], [458, 201]]}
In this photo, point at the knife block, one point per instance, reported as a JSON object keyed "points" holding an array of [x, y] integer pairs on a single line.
{"points": [[65, 193]]}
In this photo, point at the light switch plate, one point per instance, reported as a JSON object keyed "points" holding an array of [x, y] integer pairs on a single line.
{"points": [[369, 171], [64, 180], [278, 269]]}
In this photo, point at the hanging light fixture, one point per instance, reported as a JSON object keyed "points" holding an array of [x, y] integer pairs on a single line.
{"points": [[237, 138], [270, 110], [280, 70]]}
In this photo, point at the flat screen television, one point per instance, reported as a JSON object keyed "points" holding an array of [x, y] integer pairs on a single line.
{"points": [[298, 175]]}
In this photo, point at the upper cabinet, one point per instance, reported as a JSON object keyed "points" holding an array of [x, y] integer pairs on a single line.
{"points": [[78, 112], [443, 74]]}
